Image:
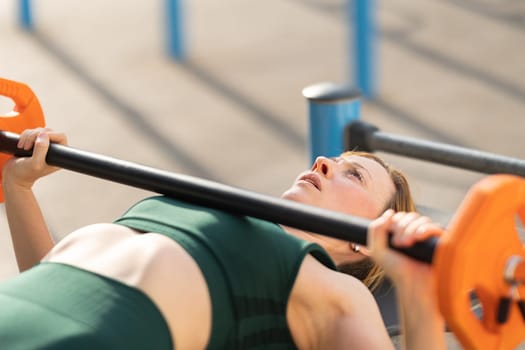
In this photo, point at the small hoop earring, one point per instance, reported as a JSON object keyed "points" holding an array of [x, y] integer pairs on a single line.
{"points": [[356, 248]]}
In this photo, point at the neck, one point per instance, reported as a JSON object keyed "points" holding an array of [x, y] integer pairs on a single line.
{"points": [[305, 236], [334, 251]]}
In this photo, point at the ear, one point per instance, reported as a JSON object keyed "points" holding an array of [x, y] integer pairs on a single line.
{"points": [[363, 250]]}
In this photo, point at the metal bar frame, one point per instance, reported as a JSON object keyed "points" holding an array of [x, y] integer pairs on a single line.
{"points": [[369, 138]]}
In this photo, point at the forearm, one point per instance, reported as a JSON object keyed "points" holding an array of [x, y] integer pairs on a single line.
{"points": [[29, 233], [422, 324]]}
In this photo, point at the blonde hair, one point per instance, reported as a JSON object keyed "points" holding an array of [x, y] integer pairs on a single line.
{"points": [[366, 270]]}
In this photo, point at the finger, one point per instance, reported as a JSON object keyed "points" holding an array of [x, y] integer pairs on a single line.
{"points": [[428, 230], [413, 229], [57, 137], [40, 148], [28, 137], [421, 233], [23, 136], [402, 221]]}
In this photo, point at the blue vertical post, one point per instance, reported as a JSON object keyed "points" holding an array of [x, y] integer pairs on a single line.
{"points": [[330, 107], [363, 35], [175, 33], [25, 17]]}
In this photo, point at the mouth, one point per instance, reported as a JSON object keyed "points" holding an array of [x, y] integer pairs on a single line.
{"points": [[312, 179]]}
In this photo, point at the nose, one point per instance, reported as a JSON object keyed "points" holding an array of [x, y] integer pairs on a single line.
{"points": [[323, 166]]}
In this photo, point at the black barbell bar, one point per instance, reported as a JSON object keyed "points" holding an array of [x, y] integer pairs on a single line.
{"points": [[212, 194], [368, 138]]}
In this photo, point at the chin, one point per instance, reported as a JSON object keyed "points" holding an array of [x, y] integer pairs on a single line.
{"points": [[296, 195]]}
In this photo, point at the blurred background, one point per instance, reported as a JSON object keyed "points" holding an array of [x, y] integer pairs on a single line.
{"points": [[232, 111]]}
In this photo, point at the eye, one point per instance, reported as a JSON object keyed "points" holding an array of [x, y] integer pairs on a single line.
{"points": [[356, 174]]}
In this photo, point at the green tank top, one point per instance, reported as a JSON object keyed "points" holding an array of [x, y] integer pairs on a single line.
{"points": [[250, 266]]}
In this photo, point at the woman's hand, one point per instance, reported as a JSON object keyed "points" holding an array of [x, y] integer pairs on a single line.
{"points": [[25, 171], [406, 229]]}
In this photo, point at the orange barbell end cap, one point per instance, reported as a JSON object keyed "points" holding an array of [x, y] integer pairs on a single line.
{"points": [[27, 114]]}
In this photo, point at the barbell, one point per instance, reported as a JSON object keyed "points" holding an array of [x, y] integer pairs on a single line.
{"points": [[479, 254]]}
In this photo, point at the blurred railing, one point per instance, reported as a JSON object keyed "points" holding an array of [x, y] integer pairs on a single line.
{"points": [[176, 47], [361, 32]]}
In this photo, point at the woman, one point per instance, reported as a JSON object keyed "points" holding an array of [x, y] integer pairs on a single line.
{"points": [[172, 275]]}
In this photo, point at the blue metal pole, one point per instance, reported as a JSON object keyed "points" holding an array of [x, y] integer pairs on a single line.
{"points": [[361, 14], [25, 18], [331, 108], [175, 33]]}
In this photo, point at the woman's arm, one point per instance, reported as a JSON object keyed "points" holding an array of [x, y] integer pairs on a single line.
{"points": [[29, 233], [332, 310], [422, 325]]}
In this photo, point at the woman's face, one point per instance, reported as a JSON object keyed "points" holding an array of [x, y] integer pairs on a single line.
{"points": [[353, 185]]}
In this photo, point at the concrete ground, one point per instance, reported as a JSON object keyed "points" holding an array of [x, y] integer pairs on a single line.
{"points": [[450, 71]]}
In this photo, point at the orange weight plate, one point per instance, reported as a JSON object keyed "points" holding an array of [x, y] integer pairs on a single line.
{"points": [[471, 259]]}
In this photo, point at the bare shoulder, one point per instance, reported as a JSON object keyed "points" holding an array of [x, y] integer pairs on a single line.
{"points": [[337, 308]]}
